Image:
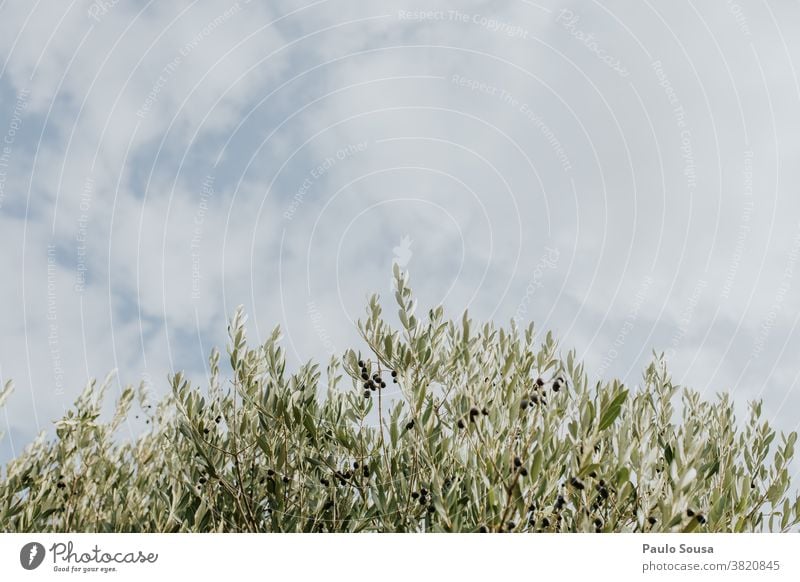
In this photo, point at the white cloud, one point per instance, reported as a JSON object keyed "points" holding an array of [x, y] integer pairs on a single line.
{"points": [[490, 131]]}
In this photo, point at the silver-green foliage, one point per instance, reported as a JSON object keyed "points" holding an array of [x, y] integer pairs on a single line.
{"points": [[478, 428]]}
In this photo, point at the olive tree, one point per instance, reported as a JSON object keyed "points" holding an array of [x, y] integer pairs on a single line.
{"points": [[433, 426]]}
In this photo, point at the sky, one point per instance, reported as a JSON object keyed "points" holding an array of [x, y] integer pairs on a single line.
{"points": [[622, 174]]}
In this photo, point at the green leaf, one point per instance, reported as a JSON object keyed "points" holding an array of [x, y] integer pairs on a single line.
{"points": [[612, 410]]}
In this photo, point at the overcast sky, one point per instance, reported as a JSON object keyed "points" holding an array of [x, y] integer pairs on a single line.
{"points": [[625, 174]]}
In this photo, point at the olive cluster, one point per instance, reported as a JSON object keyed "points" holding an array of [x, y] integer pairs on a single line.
{"points": [[374, 382], [270, 477], [473, 415], [346, 476], [551, 520], [523, 471], [364, 468], [558, 507], [577, 483], [538, 396], [697, 516], [422, 498], [598, 501], [544, 523]]}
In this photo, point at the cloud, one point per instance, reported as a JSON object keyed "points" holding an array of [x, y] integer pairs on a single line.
{"points": [[183, 159]]}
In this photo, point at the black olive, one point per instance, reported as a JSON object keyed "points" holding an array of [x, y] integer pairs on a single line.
{"points": [[485, 412], [460, 423], [394, 373], [483, 529], [355, 465], [523, 471], [517, 462], [361, 363], [689, 512], [410, 425], [545, 522], [365, 376], [473, 412], [651, 520], [539, 382]]}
